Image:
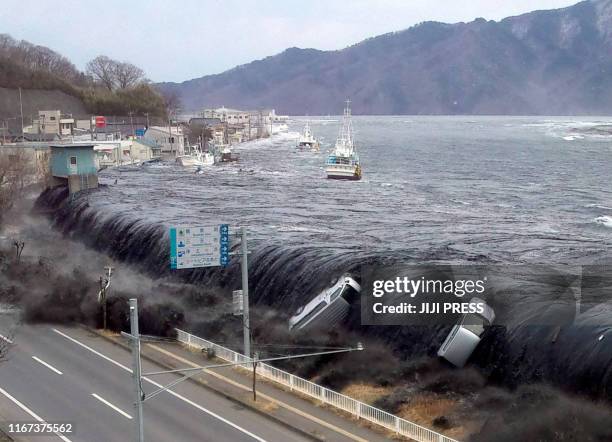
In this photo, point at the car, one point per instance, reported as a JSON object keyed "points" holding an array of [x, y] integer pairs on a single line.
{"points": [[465, 336], [327, 308]]}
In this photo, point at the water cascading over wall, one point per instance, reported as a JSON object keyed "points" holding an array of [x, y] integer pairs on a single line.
{"points": [[577, 355]]}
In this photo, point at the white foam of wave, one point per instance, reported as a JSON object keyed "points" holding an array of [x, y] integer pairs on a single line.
{"points": [[605, 221], [598, 206], [290, 228], [463, 203], [396, 185]]}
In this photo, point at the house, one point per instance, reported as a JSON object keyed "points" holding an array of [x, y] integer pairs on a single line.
{"points": [[74, 165], [226, 115], [217, 128], [53, 122], [171, 139], [256, 123], [237, 133], [121, 152]]}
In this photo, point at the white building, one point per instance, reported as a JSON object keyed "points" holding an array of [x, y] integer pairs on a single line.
{"points": [[121, 152], [226, 115], [52, 122], [172, 140]]}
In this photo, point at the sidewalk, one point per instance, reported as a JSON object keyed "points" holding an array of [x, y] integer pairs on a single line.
{"points": [[319, 422]]}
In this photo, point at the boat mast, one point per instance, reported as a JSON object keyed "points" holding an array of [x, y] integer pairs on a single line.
{"points": [[346, 133]]}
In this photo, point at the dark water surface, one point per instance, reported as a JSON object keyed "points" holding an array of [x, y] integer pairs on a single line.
{"points": [[518, 190]]}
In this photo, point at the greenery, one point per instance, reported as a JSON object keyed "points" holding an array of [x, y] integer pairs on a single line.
{"points": [[140, 100], [108, 87]]}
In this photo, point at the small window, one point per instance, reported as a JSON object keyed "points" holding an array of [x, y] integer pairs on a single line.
{"points": [[73, 161], [52, 118]]}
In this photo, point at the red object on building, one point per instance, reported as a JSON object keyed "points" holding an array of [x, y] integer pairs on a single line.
{"points": [[100, 121]]}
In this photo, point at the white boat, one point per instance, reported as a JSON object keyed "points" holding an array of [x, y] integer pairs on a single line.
{"points": [[226, 155], [278, 127], [196, 158], [307, 141], [343, 162], [326, 309]]}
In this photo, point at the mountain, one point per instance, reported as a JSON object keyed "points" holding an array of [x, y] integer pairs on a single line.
{"points": [[543, 62]]}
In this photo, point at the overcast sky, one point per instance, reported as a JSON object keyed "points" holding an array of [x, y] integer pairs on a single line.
{"points": [[176, 40]]}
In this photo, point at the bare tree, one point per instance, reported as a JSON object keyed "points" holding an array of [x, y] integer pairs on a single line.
{"points": [[16, 171], [19, 245], [103, 70], [127, 75], [172, 101]]}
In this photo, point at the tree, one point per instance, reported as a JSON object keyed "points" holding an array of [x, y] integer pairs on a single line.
{"points": [[15, 170], [198, 133], [172, 101], [127, 75], [103, 70]]}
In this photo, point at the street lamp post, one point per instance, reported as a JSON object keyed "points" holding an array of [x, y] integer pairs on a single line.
{"points": [[134, 337]]}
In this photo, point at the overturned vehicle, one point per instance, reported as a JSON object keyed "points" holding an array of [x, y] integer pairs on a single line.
{"points": [[465, 336], [327, 308]]}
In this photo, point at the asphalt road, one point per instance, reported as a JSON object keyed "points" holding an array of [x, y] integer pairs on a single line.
{"points": [[61, 374]]}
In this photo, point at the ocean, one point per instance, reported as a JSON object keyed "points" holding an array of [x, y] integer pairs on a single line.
{"points": [[512, 189]]}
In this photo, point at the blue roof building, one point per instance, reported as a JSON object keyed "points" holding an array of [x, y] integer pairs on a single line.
{"points": [[74, 165], [73, 159]]}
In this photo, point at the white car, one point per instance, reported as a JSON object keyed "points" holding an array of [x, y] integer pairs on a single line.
{"points": [[465, 335], [327, 308]]}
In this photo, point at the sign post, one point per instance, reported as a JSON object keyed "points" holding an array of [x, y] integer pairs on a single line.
{"points": [[192, 247], [136, 371], [245, 294]]}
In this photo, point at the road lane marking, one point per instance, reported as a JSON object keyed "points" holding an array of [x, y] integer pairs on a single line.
{"points": [[158, 385], [49, 366], [117, 409], [263, 395], [31, 413]]}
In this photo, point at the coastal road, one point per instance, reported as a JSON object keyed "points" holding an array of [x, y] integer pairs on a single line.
{"points": [[62, 374]]}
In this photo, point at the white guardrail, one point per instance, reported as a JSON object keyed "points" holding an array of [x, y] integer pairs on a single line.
{"points": [[325, 395]]}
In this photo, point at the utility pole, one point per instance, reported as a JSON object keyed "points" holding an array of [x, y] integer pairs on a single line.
{"points": [[170, 133], [136, 371], [21, 106], [255, 358], [132, 123], [245, 293], [104, 285]]}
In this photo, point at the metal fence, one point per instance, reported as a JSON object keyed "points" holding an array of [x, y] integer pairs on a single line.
{"points": [[325, 395]]}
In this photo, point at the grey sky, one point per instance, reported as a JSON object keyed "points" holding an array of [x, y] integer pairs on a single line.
{"points": [[176, 40]]}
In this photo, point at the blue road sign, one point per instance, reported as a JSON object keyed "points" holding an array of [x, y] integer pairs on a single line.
{"points": [[199, 246]]}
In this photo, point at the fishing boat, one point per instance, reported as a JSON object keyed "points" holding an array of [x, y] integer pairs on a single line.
{"points": [[196, 158], [307, 141], [226, 155], [343, 162], [328, 308]]}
